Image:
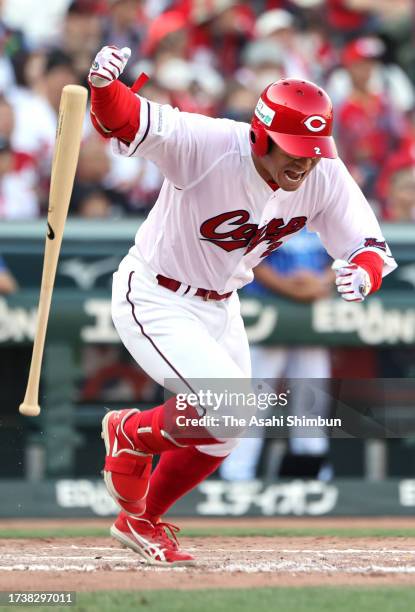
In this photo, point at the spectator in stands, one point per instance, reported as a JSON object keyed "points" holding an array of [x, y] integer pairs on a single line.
{"points": [[279, 26], [221, 30], [263, 64], [238, 102], [93, 203], [167, 37], [8, 283], [7, 121], [123, 26], [58, 72], [362, 63], [401, 195], [368, 127], [301, 272], [348, 22], [81, 34], [130, 184], [18, 198], [11, 42], [94, 161], [93, 167], [36, 103]]}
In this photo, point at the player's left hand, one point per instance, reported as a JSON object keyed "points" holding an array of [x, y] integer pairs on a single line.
{"points": [[108, 65], [353, 282]]}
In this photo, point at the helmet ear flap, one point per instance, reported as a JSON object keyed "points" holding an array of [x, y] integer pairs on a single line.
{"points": [[259, 141]]}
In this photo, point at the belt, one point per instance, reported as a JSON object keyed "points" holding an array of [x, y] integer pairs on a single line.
{"points": [[206, 294]]}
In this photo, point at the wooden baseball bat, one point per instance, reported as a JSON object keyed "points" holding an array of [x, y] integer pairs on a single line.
{"points": [[65, 159]]}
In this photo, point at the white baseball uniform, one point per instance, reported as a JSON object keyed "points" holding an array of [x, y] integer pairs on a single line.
{"points": [[214, 220]]}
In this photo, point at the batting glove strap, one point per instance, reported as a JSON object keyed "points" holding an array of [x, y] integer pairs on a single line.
{"points": [[353, 283], [108, 65]]}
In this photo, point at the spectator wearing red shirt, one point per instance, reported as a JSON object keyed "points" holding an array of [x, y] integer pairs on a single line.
{"points": [[346, 23], [394, 187], [18, 177], [221, 30], [369, 129]]}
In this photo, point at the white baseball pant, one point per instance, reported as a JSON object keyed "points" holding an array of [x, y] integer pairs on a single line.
{"points": [[177, 338]]}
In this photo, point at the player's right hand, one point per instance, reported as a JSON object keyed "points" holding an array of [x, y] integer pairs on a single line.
{"points": [[353, 282], [108, 65]]}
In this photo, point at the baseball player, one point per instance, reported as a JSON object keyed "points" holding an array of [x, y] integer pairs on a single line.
{"points": [[232, 194]]}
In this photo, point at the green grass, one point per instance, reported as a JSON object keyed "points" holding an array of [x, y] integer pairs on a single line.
{"points": [[310, 599], [234, 531]]}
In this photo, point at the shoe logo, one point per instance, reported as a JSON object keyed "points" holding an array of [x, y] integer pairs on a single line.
{"points": [[115, 447], [152, 550]]}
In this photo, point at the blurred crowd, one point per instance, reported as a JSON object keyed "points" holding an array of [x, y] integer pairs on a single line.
{"points": [[212, 57]]}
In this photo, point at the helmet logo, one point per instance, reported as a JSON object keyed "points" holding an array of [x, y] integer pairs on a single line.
{"points": [[264, 112], [315, 123]]}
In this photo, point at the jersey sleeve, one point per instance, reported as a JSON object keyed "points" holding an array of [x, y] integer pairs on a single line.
{"points": [[345, 221], [183, 145]]}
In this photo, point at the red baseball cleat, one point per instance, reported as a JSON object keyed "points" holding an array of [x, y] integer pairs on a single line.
{"points": [[151, 541], [127, 470]]}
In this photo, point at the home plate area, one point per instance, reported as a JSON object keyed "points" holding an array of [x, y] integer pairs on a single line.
{"points": [[221, 560]]}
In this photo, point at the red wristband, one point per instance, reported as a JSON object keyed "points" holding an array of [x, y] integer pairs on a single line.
{"points": [[373, 264]]}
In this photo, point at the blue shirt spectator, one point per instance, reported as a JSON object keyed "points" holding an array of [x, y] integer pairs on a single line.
{"points": [[303, 251]]}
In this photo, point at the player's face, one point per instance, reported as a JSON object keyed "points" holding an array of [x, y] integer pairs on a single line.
{"points": [[287, 171]]}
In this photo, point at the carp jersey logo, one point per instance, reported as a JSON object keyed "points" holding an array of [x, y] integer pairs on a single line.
{"points": [[231, 231], [377, 244], [315, 123]]}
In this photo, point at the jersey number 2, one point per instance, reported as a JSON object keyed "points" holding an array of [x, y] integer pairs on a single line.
{"points": [[317, 150]]}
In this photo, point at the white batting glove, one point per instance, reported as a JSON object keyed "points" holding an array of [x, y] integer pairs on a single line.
{"points": [[353, 282], [108, 65]]}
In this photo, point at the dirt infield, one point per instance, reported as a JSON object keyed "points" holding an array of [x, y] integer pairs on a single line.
{"points": [[91, 563]]}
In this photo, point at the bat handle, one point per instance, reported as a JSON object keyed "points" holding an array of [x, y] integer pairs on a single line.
{"points": [[29, 409]]}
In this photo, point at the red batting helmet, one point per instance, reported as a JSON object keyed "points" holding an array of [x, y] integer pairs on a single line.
{"points": [[298, 116]]}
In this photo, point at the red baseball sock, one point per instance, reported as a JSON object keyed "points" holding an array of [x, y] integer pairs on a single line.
{"points": [[177, 473], [157, 430]]}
